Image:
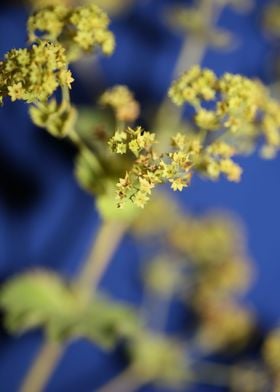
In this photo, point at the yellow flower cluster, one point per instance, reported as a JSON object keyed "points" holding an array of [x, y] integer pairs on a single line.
{"points": [[152, 168], [194, 86], [241, 110], [216, 159], [186, 154], [34, 74], [123, 103], [77, 29]]}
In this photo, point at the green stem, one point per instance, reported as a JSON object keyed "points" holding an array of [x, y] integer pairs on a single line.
{"points": [[44, 365], [124, 382], [105, 244]]}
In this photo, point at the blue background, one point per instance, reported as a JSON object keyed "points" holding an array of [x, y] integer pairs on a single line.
{"points": [[46, 220]]}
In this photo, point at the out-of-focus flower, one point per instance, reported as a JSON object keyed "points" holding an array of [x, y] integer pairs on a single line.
{"points": [[156, 358], [80, 30], [224, 324], [123, 103], [162, 276]]}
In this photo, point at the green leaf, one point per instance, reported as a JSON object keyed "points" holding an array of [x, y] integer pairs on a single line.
{"points": [[42, 299], [36, 299], [106, 321]]}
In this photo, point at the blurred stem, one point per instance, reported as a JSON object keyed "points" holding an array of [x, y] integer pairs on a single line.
{"points": [[194, 47], [212, 373], [205, 373], [104, 246], [192, 52], [226, 375], [106, 243], [44, 365], [124, 382]]}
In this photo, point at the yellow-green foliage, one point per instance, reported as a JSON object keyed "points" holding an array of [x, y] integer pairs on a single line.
{"points": [[42, 299]]}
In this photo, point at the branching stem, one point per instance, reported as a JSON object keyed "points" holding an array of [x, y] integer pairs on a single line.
{"points": [[107, 242]]}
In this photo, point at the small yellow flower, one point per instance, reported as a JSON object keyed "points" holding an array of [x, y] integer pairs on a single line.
{"points": [[178, 184], [16, 91]]}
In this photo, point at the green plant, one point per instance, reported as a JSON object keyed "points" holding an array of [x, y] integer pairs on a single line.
{"points": [[122, 166]]}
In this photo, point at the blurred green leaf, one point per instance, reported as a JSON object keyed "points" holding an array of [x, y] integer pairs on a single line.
{"points": [[42, 299]]}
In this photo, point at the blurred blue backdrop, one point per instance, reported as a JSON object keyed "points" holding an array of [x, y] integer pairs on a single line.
{"points": [[46, 220]]}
